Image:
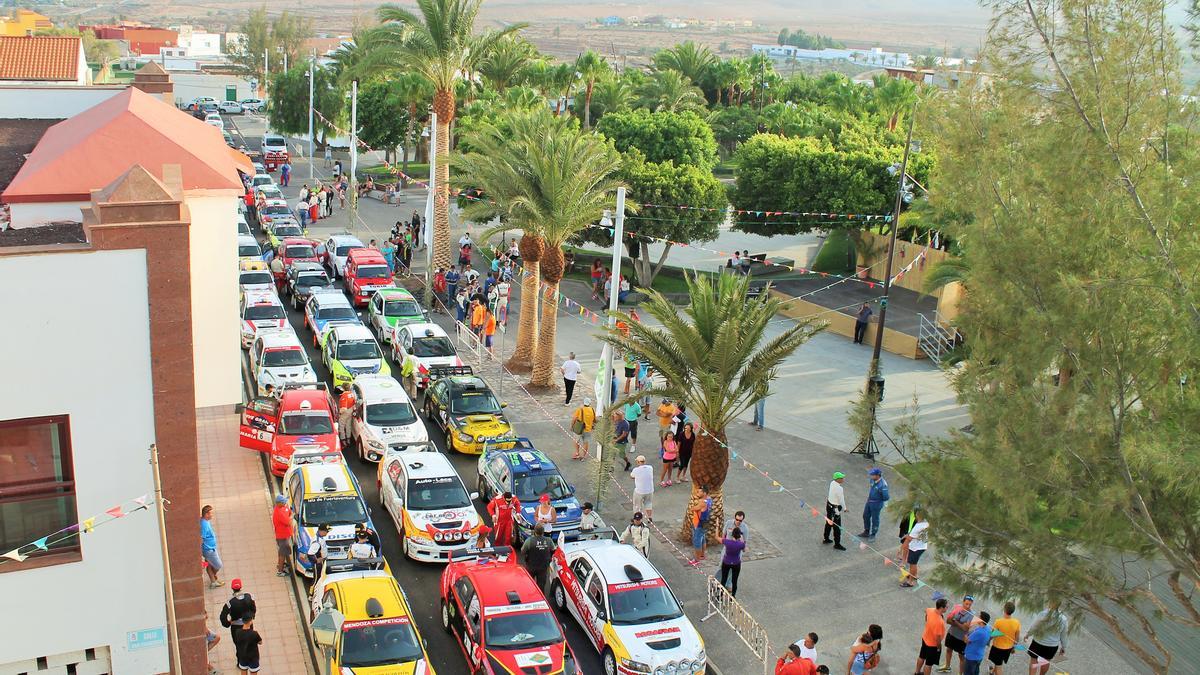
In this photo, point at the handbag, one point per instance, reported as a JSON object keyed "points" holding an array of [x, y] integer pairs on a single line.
{"points": [[577, 426]]}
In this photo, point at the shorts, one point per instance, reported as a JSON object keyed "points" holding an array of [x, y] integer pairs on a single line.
{"points": [[930, 654], [284, 547], [955, 644], [1038, 649], [213, 559], [248, 667], [632, 430], [585, 437], [643, 502], [999, 656], [915, 556], [487, 341], [630, 372], [698, 536]]}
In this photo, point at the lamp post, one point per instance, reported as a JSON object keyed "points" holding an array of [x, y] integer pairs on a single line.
{"points": [[606, 355], [311, 87]]}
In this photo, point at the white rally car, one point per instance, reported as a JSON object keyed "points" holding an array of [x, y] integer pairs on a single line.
{"points": [[260, 309], [432, 510], [384, 417], [429, 344], [336, 248], [625, 607], [277, 358]]}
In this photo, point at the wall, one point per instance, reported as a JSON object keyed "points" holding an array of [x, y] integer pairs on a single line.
{"points": [[215, 299], [191, 85], [843, 324], [30, 214], [118, 586], [948, 296], [42, 102], [202, 44]]}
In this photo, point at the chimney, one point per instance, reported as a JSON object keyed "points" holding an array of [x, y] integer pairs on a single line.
{"points": [[152, 79]]}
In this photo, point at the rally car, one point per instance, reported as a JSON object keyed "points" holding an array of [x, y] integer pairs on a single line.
{"points": [[463, 407], [349, 351], [428, 344], [500, 618], [321, 490], [429, 504], [625, 607], [384, 417], [277, 358], [325, 309], [391, 308], [254, 275], [516, 466], [243, 227], [303, 279], [337, 248], [378, 635], [248, 248], [275, 212], [301, 417], [260, 309], [281, 231]]}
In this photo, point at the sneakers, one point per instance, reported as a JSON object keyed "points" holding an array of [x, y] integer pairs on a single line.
{"points": [[281, 574], [826, 541], [216, 584], [863, 535], [839, 547]]}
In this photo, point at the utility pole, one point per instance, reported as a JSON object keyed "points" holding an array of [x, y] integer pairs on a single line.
{"points": [[266, 70], [353, 152], [607, 356], [159, 506], [427, 231], [311, 87]]}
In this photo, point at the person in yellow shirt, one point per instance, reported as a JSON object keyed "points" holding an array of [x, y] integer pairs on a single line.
{"points": [[582, 423], [666, 411], [1008, 633]]}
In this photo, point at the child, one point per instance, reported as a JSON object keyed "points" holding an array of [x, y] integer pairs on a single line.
{"points": [[246, 642]]}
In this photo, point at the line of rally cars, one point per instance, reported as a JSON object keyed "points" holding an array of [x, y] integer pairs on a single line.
{"points": [[500, 618]]}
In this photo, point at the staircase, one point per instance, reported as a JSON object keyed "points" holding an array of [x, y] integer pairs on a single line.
{"points": [[934, 338]]}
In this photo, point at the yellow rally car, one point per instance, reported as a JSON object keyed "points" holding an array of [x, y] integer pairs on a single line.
{"points": [[464, 408], [378, 634]]}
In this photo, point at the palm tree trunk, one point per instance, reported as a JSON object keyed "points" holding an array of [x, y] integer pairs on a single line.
{"points": [[710, 465], [410, 137], [587, 107], [527, 327], [543, 356], [443, 105]]}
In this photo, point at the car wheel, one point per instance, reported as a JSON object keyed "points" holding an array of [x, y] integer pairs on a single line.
{"points": [[610, 662], [403, 544], [481, 488], [445, 616], [559, 595]]}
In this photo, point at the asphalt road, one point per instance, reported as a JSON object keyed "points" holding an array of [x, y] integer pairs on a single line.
{"points": [[420, 580]]}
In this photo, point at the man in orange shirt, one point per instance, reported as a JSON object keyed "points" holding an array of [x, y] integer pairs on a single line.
{"points": [[931, 638], [791, 663], [489, 329], [477, 316], [281, 519], [346, 403]]}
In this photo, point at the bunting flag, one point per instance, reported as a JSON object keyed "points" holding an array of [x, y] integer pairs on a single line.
{"points": [[88, 525], [115, 512], [15, 555]]}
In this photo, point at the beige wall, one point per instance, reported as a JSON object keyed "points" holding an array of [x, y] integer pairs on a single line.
{"points": [[215, 299], [843, 324], [914, 279]]}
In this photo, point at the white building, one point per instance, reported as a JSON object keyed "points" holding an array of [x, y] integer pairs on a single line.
{"points": [[867, 57], [198, 44]]}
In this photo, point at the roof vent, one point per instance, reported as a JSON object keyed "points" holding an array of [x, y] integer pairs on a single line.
{"points": [[513, 598], [305, 405], [374, 608], [633, 573], [329, 485]]}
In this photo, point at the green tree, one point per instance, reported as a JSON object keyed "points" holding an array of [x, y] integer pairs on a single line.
{"points": [[382, 118], [503, 65], [715, 358], [732, 125], [287, 109], [689, 59], [272, 39], [613, 94], [591, 67], [550, 179], [893, 96], [1078, 482], [682, 138], [440, 43]]}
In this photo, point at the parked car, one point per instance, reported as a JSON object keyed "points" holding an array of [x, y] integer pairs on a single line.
{"points": [[337, 248], [213, 119], [391, 308], [300, 417], [231, 107], [517, 467], [429, 344], [384, 417], [277, 358], [252, 104], [464, 408], [349, 351]]}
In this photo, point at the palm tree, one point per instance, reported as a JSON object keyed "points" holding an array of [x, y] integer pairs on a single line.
{"points": [[440, 43], [562, 80], [668, 90], [413, 89], [613, 94], [715, 359], [688, 59], [550, 179], [892, 97], [591, 67], [509, 56]]}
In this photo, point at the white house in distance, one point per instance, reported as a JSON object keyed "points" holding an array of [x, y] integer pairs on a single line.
{"points": [[91, 149], [43, 59], [198, 43], [874, 56]]}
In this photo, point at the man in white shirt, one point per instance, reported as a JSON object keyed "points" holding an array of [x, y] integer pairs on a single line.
{"points": [[466, 241], [808, 646], [318, 550], [835, 503], [502, 290], [590, 521], [570, 372], [917, 541], [637, 535], [362, 548], [643, 488]]}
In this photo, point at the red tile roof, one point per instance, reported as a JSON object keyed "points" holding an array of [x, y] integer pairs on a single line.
{"points": [[39, 57]]}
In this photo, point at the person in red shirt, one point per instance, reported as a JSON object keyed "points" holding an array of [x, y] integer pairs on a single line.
{"points": [[503, 509], [281, 519], [791, 663]]}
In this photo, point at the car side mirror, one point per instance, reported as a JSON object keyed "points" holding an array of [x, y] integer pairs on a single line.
{"points": [[474, 496], [601, 614], [503, 405]]}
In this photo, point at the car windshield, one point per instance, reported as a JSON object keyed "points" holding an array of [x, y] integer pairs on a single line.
{"points": [[529, 488], [474, 403], [276, 210], [253, 278], [643, 602], [357, 350], [277, 358], [390, 414], [382, 642], [268, 311], [401, 308], [344, 510], [298, 251], [522, 631], [343, 251], [264, 180], [336, 312], [312, 279], [273, 140], [374, 272], [249, 251], [429, 347], [305, 424], [431, 494]]}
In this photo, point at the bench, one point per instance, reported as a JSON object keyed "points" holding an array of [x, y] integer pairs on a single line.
{"points": [[759, 266], [382, 196]]}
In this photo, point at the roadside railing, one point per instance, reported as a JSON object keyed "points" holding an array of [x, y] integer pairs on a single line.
{"points": [[721, 602]]}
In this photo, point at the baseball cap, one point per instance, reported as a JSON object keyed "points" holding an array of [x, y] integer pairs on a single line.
{"points": [[637, 515], [838, 474], [875, 472], [280, 499], [484, 529], [545, 499], [236, 584]]}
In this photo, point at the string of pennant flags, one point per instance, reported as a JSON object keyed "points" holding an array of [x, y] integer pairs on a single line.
{"points": [[85, 526]]}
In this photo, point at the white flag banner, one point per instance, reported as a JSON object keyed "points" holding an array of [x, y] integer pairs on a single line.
{"points": [[602, 399]]}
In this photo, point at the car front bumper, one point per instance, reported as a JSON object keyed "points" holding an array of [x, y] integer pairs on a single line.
{"points": [[427, 551]]}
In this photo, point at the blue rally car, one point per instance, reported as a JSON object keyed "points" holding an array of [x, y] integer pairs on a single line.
{"points": [[520, 468]]}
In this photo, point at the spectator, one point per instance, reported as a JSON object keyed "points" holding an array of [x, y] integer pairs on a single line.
{"points": [[739, 521], [731, 561], [977, 642], [545, 514], [630, 371], [760, 414], [701, 512], [637, 534], [208, 548], [746, 262], [236, 610], [860, 652], [877, 495], [281, 519], [582, 423], [860, 322], [570, 370], [621, 437], [246, 644], [489, 331], [808, 646], [669, 452], [957, 624], [931, 638], [664, 412], [686, 438], [597, 278], [794, 663], [633, 410], [1048, 638], [916, 542], [503, 291], [1009, 634], [211, 639], [643, 488], [537, 551], [835, 503], [590, 521]]}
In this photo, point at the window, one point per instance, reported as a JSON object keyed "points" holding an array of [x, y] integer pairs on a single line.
{"points": [[37, 490]]}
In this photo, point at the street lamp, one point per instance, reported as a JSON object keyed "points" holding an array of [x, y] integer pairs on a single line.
{"points": [[606, 219], [326, 626]]}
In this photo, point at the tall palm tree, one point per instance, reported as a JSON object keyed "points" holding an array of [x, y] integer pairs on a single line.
{"points": [[716, 359], [892, 97], [668, 90], [562, 80], [439, 42], [502, 67], [613, 94], [549, 178], [591, 67], [689, 59]]}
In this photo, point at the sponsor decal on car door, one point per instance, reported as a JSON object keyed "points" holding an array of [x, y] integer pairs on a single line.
{"points": [[259, 420]]}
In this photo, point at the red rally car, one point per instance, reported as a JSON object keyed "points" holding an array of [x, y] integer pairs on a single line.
{"points": [[301, 418], [500, 618]]}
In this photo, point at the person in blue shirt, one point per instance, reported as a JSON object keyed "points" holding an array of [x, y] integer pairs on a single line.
{"points": [[208, 547], [977, 642], [877, 495], [452, 278]]}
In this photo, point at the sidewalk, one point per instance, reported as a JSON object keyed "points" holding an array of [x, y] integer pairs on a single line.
{"points": [[232, 481]]}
